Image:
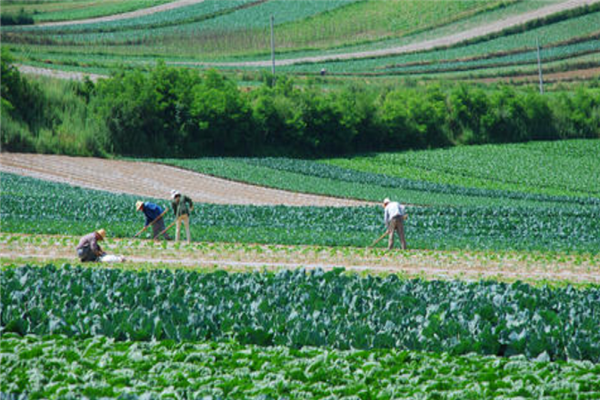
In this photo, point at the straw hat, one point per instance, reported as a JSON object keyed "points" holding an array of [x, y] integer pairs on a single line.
{"points": [[386, 200], [175, 193], [139, 205], [101, 233]]}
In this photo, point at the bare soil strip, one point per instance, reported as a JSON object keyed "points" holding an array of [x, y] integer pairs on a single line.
{"points": [[128, 15], [155, 180], [573, 75], [504, 266], [58, 74]]}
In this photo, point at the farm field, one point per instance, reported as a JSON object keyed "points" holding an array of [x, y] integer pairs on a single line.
{"points": [[287, 289], [57, 208], [481, 305], [461, 172], [536, 268], [48, 11], [248, 371], [100, 346], [369, 37]]}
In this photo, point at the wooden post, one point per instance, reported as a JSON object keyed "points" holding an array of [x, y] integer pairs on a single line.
{"points": [[272, 46], [539, 59]]}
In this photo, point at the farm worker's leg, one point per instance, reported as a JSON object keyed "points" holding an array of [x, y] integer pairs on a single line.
{"points": [[86, 254], [158, 227], [186, 221], [400, 229], [178, 227], [391, 231]]}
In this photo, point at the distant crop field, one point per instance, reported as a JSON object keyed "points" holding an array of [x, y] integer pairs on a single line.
{"points": [[493, 172], [60, 10], [569, 167], [524, 42]]}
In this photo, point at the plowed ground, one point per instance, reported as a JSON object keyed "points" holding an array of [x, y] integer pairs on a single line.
{"points": [[154, 180]]}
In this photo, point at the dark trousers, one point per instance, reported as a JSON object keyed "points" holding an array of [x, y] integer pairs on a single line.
{"points": [[86, 254], [158, 227]]}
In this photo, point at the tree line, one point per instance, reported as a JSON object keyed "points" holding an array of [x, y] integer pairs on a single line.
{"points": [[174, 112]]}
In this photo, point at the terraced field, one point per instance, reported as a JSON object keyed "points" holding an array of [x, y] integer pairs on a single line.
{"points": [[341, 37]]}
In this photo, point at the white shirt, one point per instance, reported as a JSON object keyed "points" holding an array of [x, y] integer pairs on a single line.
{"points": [[393, 209]]}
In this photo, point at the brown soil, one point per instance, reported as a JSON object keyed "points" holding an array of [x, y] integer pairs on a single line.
{"points": [[155, 180], [504, 266], [580, 74]]}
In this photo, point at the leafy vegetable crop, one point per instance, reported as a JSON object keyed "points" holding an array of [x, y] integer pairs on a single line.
{"points": [[34, 206], [131, 370], [298, 309]]}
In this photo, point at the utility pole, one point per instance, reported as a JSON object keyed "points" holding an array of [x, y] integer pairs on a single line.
{"points": [[537, 42], [272, 47]]}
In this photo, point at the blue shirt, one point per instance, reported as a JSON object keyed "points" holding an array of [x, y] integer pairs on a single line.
{"points": [[151, 211]]}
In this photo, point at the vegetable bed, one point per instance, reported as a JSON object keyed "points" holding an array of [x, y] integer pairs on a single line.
{"points": [[296, 309], [72, 369]]}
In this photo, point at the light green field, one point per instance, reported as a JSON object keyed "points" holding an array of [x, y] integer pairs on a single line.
{"points": [[61, 10]]}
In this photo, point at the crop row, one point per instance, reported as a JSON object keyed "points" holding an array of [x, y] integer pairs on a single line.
{"points": [[33, 206], [48, 11], [298, 309], [570, 166], [526, 57], [495, 12], [101, 367], [313, 177], [257, 16], [193, 12], [549, 34]]}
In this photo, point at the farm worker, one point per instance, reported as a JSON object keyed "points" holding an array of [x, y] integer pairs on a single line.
{"points": [[88, 248], [394, 216], [153, 213], [182, 207]]}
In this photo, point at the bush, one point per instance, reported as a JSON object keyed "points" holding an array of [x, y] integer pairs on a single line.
{"points": [[169, 112], [22, 18]]}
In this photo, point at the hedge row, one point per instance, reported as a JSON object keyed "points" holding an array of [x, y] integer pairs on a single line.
{"points": [[170, 112]]}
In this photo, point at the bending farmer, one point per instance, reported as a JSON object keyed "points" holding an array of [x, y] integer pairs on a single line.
{"points": [[154, 216], [394, 217], [88, 248], [182, 207]]}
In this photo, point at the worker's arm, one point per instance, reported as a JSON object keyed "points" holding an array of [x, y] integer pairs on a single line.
{"points": [[190, 203]]}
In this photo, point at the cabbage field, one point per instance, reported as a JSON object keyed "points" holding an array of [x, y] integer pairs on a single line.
{"points": [[279, 302], [40, 207]]}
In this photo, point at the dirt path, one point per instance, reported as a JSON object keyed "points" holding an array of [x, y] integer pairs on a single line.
{"points": [[132, 14], [154, 180], [56, 73], [468, 265]]}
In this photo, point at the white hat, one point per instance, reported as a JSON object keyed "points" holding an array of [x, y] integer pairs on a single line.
{"points": [[138, 205], [386, 200], [174, 193]]}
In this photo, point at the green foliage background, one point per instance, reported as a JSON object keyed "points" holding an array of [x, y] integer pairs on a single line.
{"points": [[169, 112]]}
